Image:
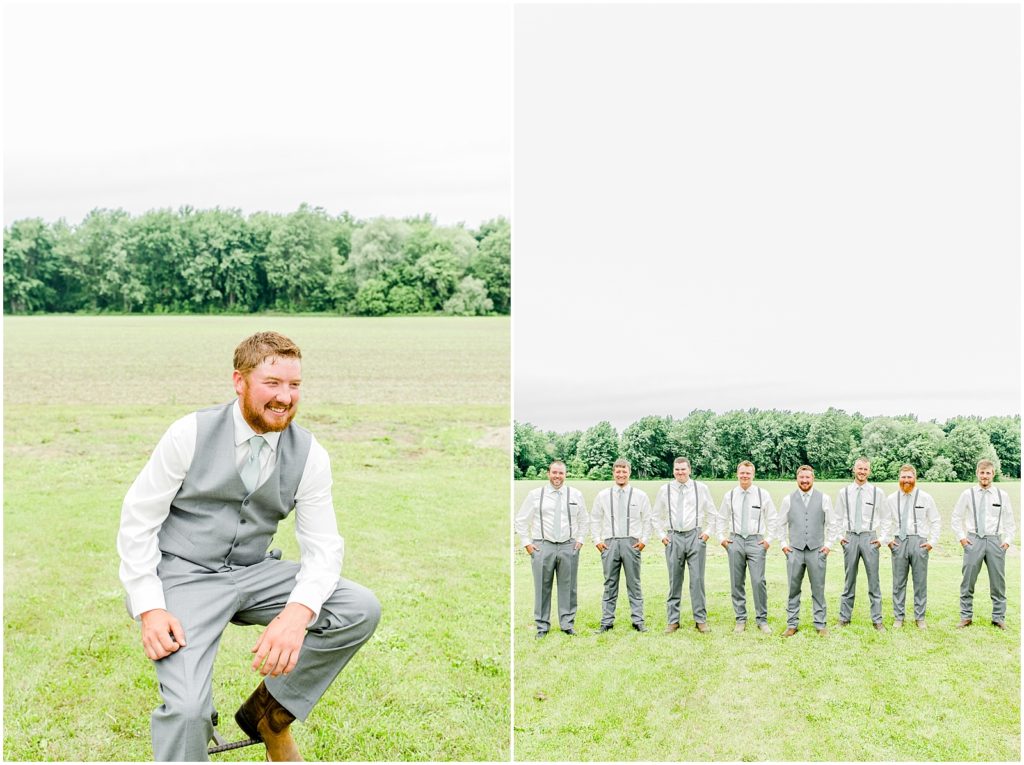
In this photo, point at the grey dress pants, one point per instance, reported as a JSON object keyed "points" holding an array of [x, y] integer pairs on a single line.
{"points": [[987, 550], [204, 602], [550, 561], [909, 558], [685, 549], [858, 548], [621, 555], [747, 553], [813, 561]]}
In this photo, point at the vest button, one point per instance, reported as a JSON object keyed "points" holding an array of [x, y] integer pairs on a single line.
{"points": [[245, 502], [243, 520]]}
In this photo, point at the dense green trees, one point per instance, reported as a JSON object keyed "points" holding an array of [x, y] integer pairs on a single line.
{"points": [[219, 260], [777, 443]]}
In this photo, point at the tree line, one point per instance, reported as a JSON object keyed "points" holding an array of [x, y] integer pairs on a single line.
{"points": [[777, 442], [206, 261]]}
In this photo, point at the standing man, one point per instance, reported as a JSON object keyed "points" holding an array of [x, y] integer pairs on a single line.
{"points": [[987, 512], [684, 507], [746, 521], [808, 533], [552, 524], [860, 507], [620, 524], [195, 527], [911, 530]]}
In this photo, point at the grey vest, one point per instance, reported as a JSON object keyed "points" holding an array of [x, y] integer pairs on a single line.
{"points": [[806, 524], [214, 522]]}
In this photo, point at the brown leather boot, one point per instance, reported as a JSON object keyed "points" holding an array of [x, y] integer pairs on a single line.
{"points": [[260, 716]]}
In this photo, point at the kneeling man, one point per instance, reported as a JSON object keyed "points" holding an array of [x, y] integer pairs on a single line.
{"points": [[195, 528], [807, 532]]}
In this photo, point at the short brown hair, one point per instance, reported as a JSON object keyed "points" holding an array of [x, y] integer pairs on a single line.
{"points": [[909, 467], [681, 460], [622, 461], [986, 464], [802, 468], [745, 463], [255, 349]]}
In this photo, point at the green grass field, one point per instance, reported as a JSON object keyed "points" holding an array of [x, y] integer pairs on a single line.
{"points": [[415, 415], [940, 694]]}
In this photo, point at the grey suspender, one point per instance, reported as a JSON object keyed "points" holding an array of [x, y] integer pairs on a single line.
{"points": [[732, 509], [696, 506], [611, 502], [999, 522], [540, 509], [913, 506]]}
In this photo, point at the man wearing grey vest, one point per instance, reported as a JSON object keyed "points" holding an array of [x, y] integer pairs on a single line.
{"points": [[746, 521], [983, 522], [195, 528], [552, 524], [910, 529], [807, 532], [859, 509], [684, 516], [620, 524]]}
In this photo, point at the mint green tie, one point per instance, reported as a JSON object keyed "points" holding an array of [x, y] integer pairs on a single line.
{"points": [[250, 471], [981, 514], [858, 518], [745, 514]]}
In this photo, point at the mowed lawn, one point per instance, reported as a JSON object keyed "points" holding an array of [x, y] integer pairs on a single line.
{"points": [[414, 413], [940, 694]]}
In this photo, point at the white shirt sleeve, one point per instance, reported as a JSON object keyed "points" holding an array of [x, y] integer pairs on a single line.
{"points": [[321, 548], [1009, 528], [780, 530], [959, 510], [145, 507], [523, 523]]}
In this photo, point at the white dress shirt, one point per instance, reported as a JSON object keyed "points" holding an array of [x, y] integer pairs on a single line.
{"points": [[639, 515], [998, 515], [148, 503], [832, 532], [872, 509], [922, 519], [559, 505], [761, 514], [691, 504]]}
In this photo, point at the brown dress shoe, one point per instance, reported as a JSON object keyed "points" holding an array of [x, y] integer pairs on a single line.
{"points": [[702, 627], [765, 629], [843, 623], [823, 631], [1000, 625], [879, 626], [963, 623], [260, 716], [920, 624], [790, 631], [671, 628], [740, 626], [898, 624]]}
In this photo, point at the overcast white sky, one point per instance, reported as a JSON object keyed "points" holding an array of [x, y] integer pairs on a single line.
{"points": [[789, 207], [379, 110]]}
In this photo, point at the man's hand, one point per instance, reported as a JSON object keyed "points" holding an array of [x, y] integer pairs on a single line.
{"points": [[1005, 545], [530, 549], [893, 545], [964, 542], [764, 543], [877, 543], [578, 546], [639, 546], [664, 541], [844, 542], [601, 546], [162, 634], [787, 550], [703, 537], [926, 546], [279, 645], [726, 543], [826, 551]]}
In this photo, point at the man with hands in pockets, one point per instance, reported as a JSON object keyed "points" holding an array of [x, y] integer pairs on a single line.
{"points": [[552, 524]]}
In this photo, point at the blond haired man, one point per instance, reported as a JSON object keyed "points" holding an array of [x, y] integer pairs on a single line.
{"points": [[684, 517], [911, 530], [552, 524], [620, 524], [746, 520], [859, 509], [983, 522], [195, 527]]}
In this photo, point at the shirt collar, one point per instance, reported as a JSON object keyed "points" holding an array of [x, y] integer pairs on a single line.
{"points": [[243, 431], [551, 487], [680, 483], [616, 487]]}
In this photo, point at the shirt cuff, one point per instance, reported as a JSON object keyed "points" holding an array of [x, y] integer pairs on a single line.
{"points": [[146, 597], [306, 594]]}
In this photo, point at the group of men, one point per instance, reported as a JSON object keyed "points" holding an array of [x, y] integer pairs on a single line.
{"points": [[553, 523]]}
